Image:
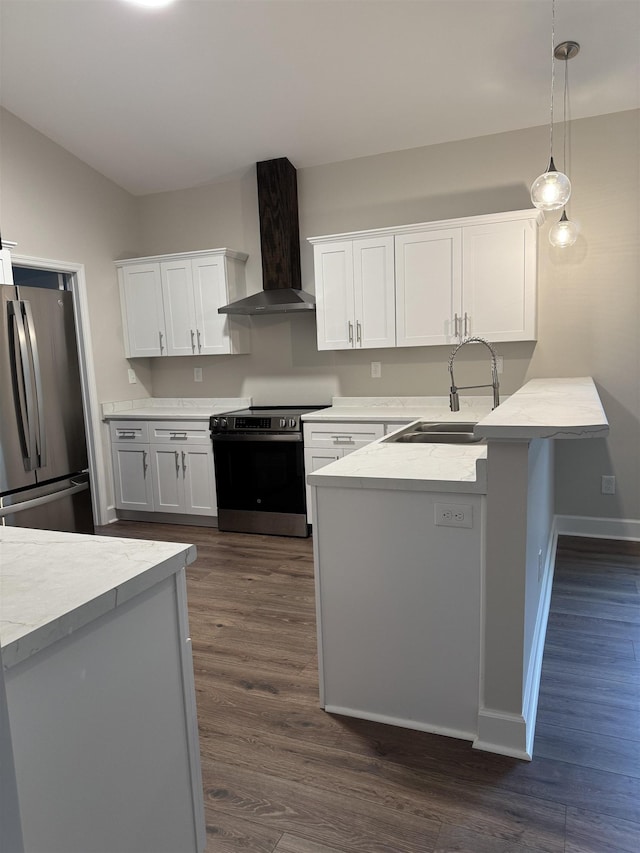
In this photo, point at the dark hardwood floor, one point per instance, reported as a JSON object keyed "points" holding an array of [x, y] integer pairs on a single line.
{"points": [[282, 776]]}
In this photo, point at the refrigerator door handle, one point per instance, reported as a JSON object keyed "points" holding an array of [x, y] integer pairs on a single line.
{"points": [[33, 343], [45, 499], [24, 386]]}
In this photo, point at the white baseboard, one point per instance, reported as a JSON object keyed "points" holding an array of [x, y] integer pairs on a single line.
{"points": [[599, 528], [399, 721], [506, 734]]}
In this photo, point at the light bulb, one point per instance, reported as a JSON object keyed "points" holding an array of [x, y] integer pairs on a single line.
{"points": [[551, 190], [563, 233]]}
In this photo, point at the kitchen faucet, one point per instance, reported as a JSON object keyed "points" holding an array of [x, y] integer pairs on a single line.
{"points": [[454, 400]]}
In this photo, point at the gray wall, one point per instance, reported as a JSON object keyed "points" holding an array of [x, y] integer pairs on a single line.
{"points": [[589, 297]]}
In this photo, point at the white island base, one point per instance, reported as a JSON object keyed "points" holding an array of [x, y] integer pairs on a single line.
{"points": [[399, 609], [439, 627], [100, 693]]}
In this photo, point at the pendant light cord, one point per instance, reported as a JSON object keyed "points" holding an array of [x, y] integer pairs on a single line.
{"points": [[553, 74]]}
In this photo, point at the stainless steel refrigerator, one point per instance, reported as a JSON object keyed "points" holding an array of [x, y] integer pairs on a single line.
{"points": [[44, 478]]}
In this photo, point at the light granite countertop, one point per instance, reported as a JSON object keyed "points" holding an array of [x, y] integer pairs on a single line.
{"points": [[172, 408], [400, 409], [543, 408], [52, 583]]}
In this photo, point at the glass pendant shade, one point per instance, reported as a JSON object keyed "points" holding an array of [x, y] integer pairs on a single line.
{"points": [[564, 232], [551, 190]]}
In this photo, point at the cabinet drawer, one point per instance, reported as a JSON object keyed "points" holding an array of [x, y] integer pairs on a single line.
{"points": [[135, 431], [170, 432], [347, 436]]}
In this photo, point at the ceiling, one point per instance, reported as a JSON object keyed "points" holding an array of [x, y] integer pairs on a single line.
{"points": [[196, 92]]}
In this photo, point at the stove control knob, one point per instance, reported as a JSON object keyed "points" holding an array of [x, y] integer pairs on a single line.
{"points": [[292, 422], [214, 423], [283, 423], [223, 423]]}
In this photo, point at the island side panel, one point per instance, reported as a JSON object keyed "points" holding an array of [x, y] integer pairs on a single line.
{"points": [[517, 591], [100, 735], [398, 608]]}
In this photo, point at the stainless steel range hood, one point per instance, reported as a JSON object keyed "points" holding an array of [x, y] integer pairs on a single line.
{"points": [[280, 245]]}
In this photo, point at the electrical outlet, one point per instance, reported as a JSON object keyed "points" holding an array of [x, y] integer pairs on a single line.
{"points": [[608, 484], [454, 515], [197, 374], [132, 376], [376, 369]]}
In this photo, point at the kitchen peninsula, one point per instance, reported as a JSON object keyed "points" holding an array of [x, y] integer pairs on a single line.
{"points": [[99, 681], [434, 565]]}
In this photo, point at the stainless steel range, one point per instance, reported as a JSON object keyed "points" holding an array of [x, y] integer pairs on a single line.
{"points": [[259, 464]]}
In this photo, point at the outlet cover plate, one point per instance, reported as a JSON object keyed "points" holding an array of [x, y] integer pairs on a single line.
{"points": [[454, 515]]}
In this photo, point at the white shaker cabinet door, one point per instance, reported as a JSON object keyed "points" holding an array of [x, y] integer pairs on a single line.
{"points": [[179, 313], [499, 275], [132, 478], [428, 287], [210, 293], [374, 292], [167, 478], [199, 480], [143, 311], [333, 265]]}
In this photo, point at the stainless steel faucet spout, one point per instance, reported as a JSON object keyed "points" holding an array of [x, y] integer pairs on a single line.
{"points": [[454, 399]]}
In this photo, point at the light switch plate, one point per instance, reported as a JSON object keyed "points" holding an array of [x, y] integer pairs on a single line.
{"points": [[376, 369], [197, 374], [132, 376]]}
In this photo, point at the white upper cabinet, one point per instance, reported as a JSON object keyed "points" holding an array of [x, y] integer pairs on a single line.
{"points": [[355, 303], [170, 304], [141, 296], [499, 280], [428, 284]]}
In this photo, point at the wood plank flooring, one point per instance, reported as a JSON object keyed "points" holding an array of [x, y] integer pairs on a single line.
{"points": [[282, 776]]}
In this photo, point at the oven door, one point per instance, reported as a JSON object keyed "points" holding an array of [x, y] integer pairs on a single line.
{"points": [[260, 483]]}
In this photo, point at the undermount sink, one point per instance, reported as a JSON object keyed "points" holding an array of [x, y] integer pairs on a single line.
{"points": [[437, 433]]}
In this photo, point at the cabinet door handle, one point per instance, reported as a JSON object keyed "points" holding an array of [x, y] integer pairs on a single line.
{"points": [[145, 464], [193, 340], [177, 455], [350, 331], [467, 323], [199, 342], [161, 344], [359, 332], [456, 321], [184, 462]]}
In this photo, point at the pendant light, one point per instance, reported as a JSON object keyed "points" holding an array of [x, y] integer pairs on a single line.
{"points": [[564, 233], [551, 190]]}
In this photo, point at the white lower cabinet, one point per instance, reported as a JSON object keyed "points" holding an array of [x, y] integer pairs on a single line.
{"points": [[326, 442], [183, 479], [164, 467], [132, 479]]}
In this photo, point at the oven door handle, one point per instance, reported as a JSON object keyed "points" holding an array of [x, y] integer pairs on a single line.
{"points": [[257, 438]]}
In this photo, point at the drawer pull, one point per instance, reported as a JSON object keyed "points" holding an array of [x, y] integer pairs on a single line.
{"points": [[177, 435], [126, 433], [348, 439]]}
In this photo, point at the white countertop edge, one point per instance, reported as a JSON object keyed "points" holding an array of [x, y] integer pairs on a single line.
{"points": [[400, 485], [32, 639], [173, 408]]}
